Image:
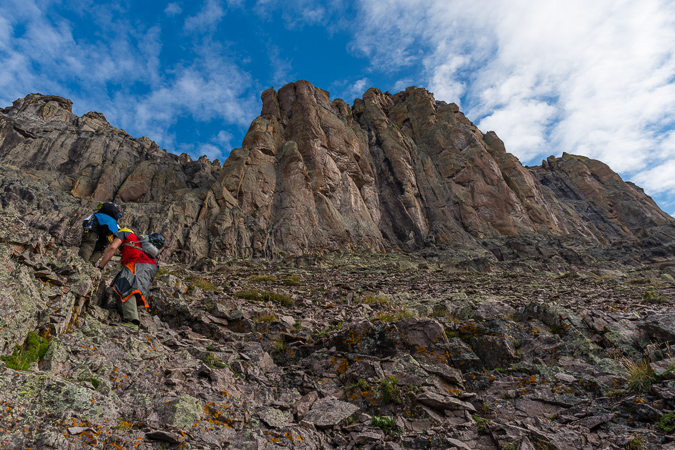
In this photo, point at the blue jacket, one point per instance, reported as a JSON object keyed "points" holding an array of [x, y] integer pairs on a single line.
{"points": [[102, 220]]}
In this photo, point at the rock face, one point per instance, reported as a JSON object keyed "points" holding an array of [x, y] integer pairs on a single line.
{"points": [[393, 172]]}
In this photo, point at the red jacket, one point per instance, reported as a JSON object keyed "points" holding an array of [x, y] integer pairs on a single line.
{"points": [[131, 249]]}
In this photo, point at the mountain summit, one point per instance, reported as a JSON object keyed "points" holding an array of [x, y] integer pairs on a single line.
{"points": [[399, 172]]}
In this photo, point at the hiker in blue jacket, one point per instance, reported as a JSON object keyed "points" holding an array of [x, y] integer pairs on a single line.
{"points": [[98, 231]]}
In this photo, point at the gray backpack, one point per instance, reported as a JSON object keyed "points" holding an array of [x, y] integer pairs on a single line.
{"points": [[151, 244]]}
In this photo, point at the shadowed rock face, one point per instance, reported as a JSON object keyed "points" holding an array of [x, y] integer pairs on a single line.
{"points": [[394, 172]]}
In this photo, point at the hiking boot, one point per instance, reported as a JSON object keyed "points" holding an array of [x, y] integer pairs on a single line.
{"points": [[130, 326]]}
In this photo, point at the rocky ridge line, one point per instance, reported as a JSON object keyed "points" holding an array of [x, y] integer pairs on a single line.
{"points": [[393, 172]]}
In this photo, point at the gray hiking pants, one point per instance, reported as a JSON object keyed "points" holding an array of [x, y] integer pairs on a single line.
{"points": [[128, 310]]}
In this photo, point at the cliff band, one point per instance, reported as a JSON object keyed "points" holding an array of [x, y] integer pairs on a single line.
{"points": [[400, 172]]}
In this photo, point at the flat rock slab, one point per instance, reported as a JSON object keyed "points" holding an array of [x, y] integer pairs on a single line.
{"points": [[443, 402], [78, 430], [367, 437], [164, 436], [444, 371], [534, 408], [593, 421], [659, 326], [565, 377], [459, 444], [329, 412], [276, 418]]}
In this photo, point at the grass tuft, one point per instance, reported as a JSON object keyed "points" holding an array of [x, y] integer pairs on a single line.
{"points": [[395, 316], [214, 362], [390, 391], [651, 296], [198, 282], [640, 375], [375, 300], [262, 278], [266, 318], [292, 280], [385, 423], [279, 346], [482, 424], [637, 443], [263, 296]]}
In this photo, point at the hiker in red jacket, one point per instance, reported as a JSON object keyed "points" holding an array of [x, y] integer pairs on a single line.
{"points": [[132, 284]]}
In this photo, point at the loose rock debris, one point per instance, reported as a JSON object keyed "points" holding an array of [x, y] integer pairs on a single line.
{"points": [[374, 352]]}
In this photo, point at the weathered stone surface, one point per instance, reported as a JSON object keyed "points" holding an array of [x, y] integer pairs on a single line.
{"points": [[659, 326], [304, 404], [182, 412], [593, 421], [461, 356], [443, 402], [367, 437], [275, 418], [494, 351], [328, 412], [664, 369], [165, 436]]}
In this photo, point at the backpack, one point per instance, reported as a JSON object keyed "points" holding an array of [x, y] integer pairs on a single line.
{"points": [[88, 224], [151, 244]]}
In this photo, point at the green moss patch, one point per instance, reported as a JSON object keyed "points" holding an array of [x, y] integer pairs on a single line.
{"points": [[385, 423], [667, 423], [34, 350], [214, 362]]}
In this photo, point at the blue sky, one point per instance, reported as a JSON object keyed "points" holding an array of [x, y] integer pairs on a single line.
{"points": [[591, 78]]}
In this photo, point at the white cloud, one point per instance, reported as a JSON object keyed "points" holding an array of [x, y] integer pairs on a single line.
{"points": [[210, 151], [206, 19], [299, 13], [524, 125], [173, 9], [658, 179], [354, 90], [223, 137], [593, 78], [400, 85], [282, 69]]}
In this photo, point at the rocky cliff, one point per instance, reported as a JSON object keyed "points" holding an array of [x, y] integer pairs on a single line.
{"points": [[393, 172]]}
